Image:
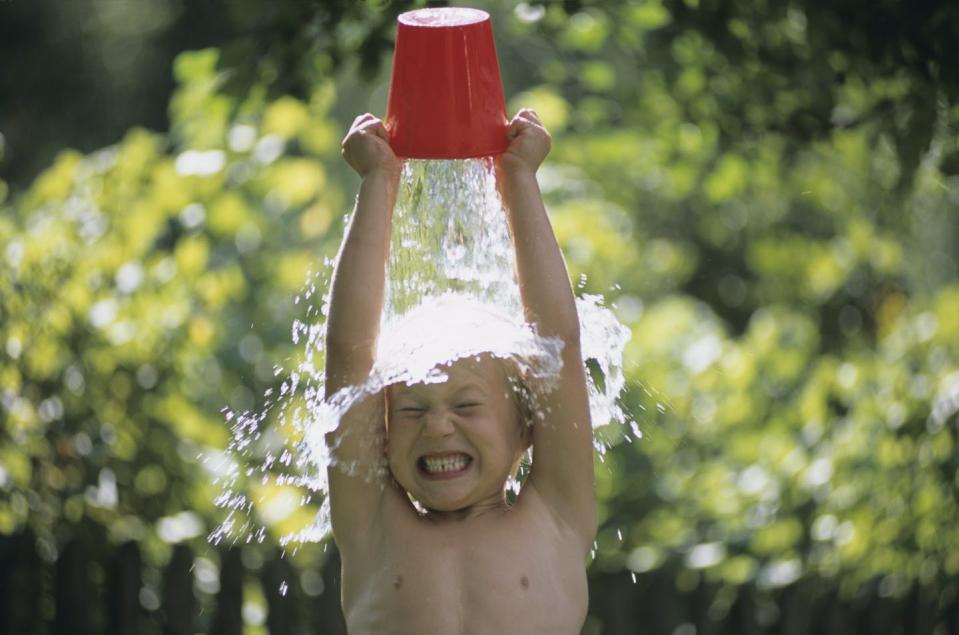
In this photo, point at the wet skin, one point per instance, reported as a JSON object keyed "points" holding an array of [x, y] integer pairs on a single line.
{"points": [[465, 562], [452, 445], [496, 571]]}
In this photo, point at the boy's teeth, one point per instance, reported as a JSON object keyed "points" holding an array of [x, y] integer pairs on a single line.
{"points": [[445, 464]]}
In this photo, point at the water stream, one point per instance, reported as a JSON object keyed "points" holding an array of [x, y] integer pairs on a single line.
{"points": [[451, 293]]}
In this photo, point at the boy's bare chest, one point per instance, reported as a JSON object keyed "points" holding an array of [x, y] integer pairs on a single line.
{"points": [[474, 578]]}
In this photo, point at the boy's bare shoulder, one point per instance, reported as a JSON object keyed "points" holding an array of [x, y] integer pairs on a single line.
{"points": [[536, 510], [530, 516]]}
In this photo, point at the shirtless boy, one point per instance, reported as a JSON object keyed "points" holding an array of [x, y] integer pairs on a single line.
{"points": [[463, 560]]}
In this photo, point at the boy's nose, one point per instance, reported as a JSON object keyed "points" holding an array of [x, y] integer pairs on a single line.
{"points": [[437, 424]]}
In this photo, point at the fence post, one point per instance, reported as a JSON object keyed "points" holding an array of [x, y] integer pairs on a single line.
{"points": [[795, 604], [950, 613], [20, 584], [613, 602], [326, 614], [741, 619], [229, 602], [282, 617], [656, 602], [920, 611], [123, 599], [179, 601], [700, 599], [73, 593], [873, 613], [835, 616]]}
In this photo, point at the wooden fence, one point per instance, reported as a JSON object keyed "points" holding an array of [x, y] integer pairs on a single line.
{"points": [[654, 604], [90, 587], [96, 589]]}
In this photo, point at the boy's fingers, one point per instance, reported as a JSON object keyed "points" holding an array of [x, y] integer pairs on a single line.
{"points": [[515, 128], [376, 128], [365, 116], [367, 127], [529, 114], [518, 125], [379, 129], [519, 122], [358, 125], [363, 119]]}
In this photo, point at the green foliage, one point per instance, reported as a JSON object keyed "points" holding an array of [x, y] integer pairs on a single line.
{"points": [[766, 192], [146, 287], [751, 186]]}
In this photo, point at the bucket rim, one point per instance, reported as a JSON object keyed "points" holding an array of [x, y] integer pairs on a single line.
{"points": [[442, 17]]}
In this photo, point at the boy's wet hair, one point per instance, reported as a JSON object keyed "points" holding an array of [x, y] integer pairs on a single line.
{"points": [[520, 391]]}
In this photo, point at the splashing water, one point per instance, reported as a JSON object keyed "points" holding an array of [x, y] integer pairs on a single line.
{"points": [[451, 293], [450, 235]]}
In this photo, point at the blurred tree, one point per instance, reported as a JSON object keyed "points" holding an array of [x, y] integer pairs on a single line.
{"points": [[777, 203], [146, 288], [87, 71], [770, 188]]}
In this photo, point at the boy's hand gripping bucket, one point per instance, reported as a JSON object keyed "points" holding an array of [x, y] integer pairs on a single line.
{"points": [[446, 98]]}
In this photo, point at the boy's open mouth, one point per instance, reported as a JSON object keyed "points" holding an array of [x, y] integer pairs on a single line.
{"points": [[445, 465]]}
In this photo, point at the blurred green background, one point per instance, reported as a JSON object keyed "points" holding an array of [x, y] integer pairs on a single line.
{"points": [[766, 191]]}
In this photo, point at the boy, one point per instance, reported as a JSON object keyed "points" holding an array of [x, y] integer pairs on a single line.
{"points": [[463, 561]]}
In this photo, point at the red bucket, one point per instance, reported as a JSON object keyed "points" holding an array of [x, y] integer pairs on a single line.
{"points": [[446, 97]]}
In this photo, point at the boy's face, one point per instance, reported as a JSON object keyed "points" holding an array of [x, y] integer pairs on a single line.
{"points": [[453, 445]]}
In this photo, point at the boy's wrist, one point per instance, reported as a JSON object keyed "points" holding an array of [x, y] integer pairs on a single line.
{"points": [[387, 179], [383, 173], [517, 176]]}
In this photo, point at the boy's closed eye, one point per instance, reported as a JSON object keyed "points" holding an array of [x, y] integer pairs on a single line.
{"points": [[416, 409]]}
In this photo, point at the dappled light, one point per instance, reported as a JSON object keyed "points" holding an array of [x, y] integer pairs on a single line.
{"points": [[765, 195]]}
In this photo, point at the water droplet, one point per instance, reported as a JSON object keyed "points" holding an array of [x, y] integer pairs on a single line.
{"points": [[463, 254]]}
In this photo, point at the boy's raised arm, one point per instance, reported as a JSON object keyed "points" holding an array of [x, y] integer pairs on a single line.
{"points": [[562, 470], [356, 301]]}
